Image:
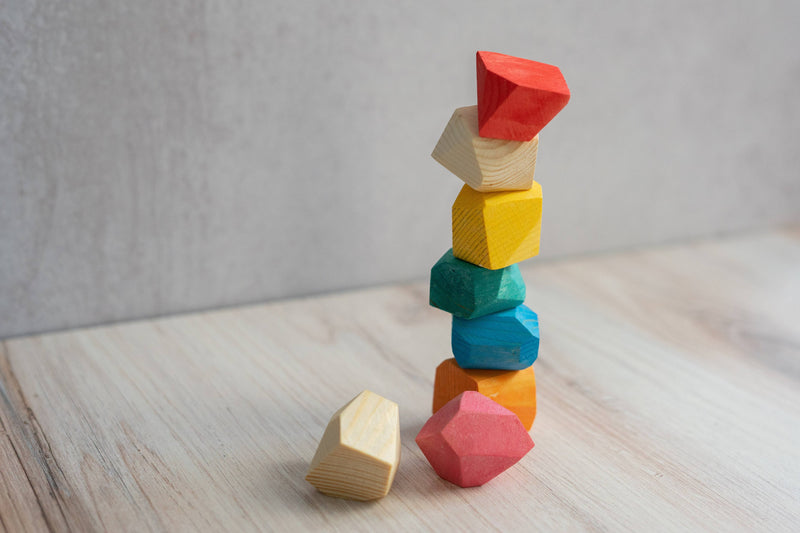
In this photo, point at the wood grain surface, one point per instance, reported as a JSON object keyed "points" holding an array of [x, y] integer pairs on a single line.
{"points": [[669, 400]]}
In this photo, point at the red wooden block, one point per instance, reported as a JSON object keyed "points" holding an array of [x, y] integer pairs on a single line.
{"points": [[472, 439], [517, 97]]}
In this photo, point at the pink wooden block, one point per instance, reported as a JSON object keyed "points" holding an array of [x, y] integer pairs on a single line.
{"points": [[472, 439]]}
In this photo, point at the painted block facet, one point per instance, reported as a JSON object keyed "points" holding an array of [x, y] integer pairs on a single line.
{"points": [[472, 439], [482, 163], [517, 97], [508, 340], [358, 454], [497, 229], [469, 291], [513, 389]]}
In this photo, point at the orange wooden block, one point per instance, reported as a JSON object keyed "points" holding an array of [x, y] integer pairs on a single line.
{"points": [[513, 389]]}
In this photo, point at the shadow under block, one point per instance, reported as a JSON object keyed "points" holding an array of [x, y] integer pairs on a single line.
{"points": [[472, 439], [513, 389], [469, 291], [358, 454], [497, 229], [485, 164], [517, 97], [508, 340]]}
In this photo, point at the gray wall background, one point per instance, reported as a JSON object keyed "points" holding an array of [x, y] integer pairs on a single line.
{"points": [[158, 157]]}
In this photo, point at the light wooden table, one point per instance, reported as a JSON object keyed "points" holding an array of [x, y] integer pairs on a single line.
{"points": [[669, 399]]}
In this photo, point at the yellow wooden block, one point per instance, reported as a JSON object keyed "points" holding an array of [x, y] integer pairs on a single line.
{"points": [[358, 454], [485, 164], [497, 229]]}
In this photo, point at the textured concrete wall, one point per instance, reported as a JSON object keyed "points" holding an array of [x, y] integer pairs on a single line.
{"points": [[158, 157]]}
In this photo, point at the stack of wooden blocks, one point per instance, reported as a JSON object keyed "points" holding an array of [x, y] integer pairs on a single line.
{"points": [[484, 400], [492, 147]]}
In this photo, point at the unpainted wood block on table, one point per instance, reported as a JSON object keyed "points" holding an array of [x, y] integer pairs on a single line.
{"points": [[508, 340], [482, 163], [469, 291], [473, 439], [513, 389], [359, 452], [497, 229], [517, 97]]}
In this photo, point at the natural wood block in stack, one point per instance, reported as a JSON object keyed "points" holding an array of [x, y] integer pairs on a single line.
{"points": [[485, 164]]}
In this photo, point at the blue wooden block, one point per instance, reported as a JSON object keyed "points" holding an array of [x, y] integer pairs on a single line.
{"points": [[470, 291], [508, 340]]}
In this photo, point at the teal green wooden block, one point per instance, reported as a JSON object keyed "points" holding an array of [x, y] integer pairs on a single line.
{"points": [[469, 291]]}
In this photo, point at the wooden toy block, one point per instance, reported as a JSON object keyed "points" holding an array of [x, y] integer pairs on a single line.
{"points": [[517, 97], [497, 229], [508, 340], [485, 164], [469, 291], [472, 439], [513, 389], [359, 452]]}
